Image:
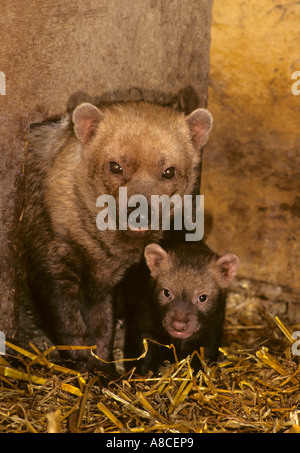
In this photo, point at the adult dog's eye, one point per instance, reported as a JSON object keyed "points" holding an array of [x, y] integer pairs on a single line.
{"points": [[115, 168], [169, 173], [167, 294], [202, 298]]}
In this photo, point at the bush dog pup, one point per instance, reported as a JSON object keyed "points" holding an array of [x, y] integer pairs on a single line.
{"points": [[177, 296]]}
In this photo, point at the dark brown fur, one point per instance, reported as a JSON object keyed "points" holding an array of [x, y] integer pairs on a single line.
{"points": [[162, 302], [72, 266]]}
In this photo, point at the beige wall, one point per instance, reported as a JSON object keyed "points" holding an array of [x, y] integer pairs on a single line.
{"points": [[251, 170]]}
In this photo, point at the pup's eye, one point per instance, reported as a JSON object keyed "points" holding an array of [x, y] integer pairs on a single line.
{"points": [[115, 168], [169, 173], [167, 293], [202, 298]]}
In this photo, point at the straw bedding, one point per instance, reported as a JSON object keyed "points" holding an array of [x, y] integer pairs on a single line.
{"points": [[253, 388]]}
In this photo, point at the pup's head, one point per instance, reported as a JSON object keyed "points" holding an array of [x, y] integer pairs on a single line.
{"points": [[188, 286], [149, 149]]}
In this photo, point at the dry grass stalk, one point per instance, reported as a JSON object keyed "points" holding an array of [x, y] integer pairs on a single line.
{"points": [[249, 390]]}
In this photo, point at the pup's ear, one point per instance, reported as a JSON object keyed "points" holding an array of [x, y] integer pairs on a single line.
{"points": [[86, 118], [227, 267], [156, 257], [200, 123]]}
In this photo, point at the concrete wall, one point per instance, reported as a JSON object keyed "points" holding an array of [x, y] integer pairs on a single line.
{"points": [[56, 52], [251, 170]]}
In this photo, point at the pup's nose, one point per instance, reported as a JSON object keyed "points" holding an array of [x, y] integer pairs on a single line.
{"points": [[179, 325]]}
